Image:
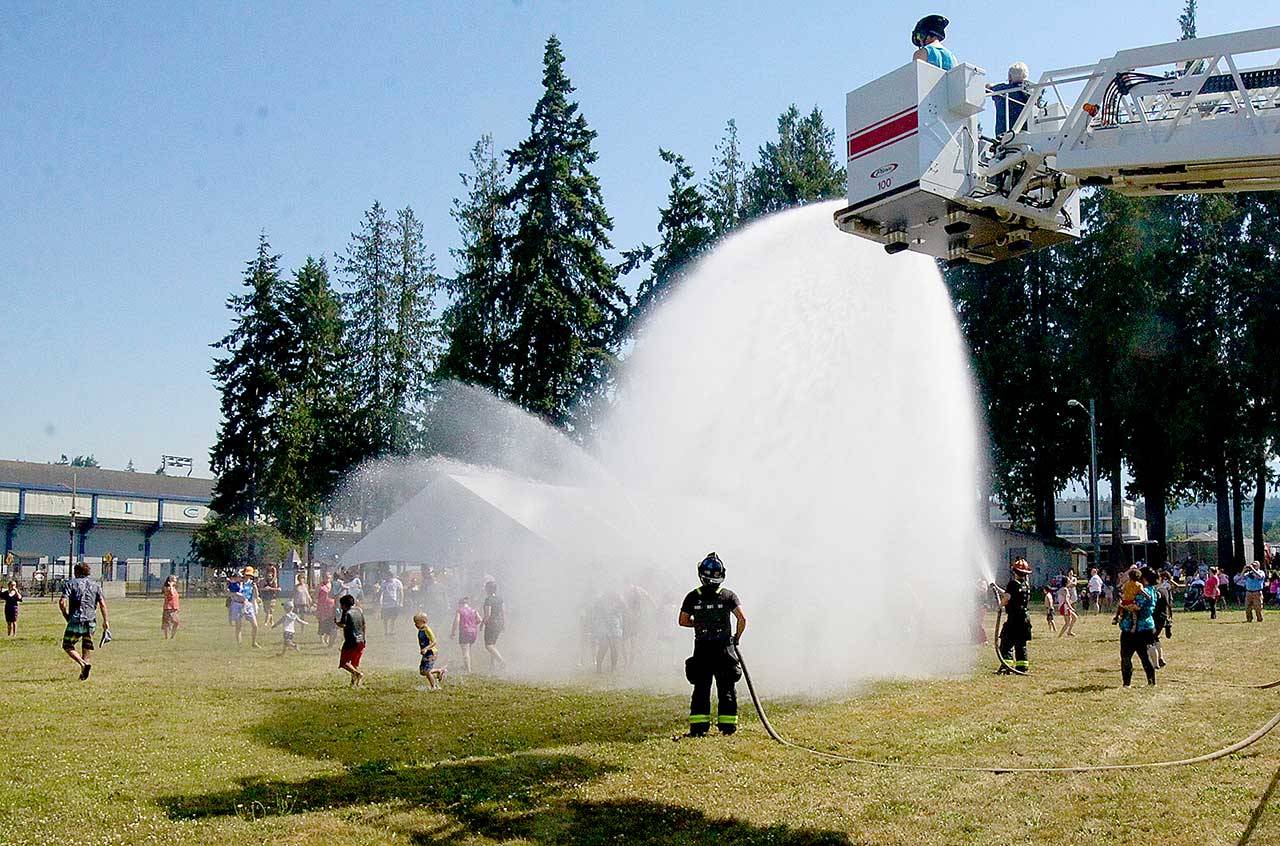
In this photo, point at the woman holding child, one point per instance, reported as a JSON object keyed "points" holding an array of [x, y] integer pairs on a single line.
{"points": [[1138, 630]]}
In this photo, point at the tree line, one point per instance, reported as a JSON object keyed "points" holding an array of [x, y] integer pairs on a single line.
{"points": [[323, 370], [1167, 313]]}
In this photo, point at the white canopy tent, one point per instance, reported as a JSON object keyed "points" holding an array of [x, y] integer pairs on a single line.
{"points": [[477, 516]]}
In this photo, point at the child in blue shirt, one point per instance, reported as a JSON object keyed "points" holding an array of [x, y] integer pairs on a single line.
{"points": [[927, 37]]}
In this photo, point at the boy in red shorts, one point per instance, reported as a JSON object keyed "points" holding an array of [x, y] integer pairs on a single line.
{"points": [[351, 621]]}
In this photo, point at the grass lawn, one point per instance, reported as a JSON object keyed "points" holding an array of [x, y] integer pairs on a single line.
{"points": [[194, 741]]}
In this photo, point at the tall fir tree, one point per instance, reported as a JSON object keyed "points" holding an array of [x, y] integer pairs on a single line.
{"points": [[370, 307], [477, 321], [314, 447], [249, 378], [415, 339], [686, 230], [799, 167], [567, 298], [725, 191]]}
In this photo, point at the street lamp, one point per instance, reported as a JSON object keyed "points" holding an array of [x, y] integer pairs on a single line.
{"points": [[71, 539], [1093, 478]]}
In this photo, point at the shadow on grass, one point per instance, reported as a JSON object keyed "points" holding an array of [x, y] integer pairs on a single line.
{"points": [[403, 726], [1247, 835], [635, 821], [407, 726], [1079, 688], [511, 797], [518, 780]]}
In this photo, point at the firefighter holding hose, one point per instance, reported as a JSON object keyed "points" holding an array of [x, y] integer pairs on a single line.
{"points": [[1016, 599], [707, 610]]}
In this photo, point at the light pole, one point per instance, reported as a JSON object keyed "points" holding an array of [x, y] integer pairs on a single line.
{"points": [[71, 535], [1093, 479]]}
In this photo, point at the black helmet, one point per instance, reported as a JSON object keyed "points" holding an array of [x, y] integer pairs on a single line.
{"points": [[711, 570], [935, 25]]}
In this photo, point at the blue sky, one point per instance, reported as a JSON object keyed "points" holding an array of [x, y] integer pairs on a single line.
{"points": [[145, 146]]}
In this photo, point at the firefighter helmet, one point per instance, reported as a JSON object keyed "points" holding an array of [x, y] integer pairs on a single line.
{"points": [[1021, 566], [711, 570], [929, 25]]}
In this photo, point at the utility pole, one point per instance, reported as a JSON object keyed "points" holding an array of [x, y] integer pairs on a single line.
{"points": [[71, 545], [1093, 478]]}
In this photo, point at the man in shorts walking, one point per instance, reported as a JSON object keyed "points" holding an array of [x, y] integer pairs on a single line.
{"points": [[1095, 591], [81, 599], [390, 601]]}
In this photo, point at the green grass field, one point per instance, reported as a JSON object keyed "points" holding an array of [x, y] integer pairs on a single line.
{"points": [[194, 741]]}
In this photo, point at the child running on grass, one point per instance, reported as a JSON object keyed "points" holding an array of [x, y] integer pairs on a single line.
{"points": [[1067, 605], [290, 620], [466, 626], [169, 621], [427, 649], [1048, 609], [351, 621]]}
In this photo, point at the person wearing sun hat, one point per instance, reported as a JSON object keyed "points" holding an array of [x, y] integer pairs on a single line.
{"points": [[1016, 599], [249, 605]]}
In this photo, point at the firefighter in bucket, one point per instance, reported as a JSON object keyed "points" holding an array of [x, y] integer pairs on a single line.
{"points": [[707, 610]]}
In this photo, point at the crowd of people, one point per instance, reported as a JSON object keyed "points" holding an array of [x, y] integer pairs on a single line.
{"points": [[1143, 605], [338, 609], [617, 624]]}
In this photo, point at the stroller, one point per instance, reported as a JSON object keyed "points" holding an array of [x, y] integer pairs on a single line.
{"points": [[1194, 599]]}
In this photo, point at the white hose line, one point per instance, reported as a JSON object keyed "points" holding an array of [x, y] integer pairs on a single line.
{"points": [[1262, 732]]}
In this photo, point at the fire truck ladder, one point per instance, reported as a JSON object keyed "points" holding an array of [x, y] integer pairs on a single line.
{"points": [[1190, 116]]}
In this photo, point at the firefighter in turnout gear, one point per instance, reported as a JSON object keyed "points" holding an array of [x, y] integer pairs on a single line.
{"points": [[1016, 600], [707, 610]]}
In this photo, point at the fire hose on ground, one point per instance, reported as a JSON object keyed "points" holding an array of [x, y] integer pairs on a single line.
{"points": [[1246, 742]]}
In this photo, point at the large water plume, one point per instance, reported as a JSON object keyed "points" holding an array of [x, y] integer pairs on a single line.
{"points": [[801, 405]]}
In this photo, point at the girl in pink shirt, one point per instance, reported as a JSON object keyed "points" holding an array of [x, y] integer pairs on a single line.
{"points": [[1212, 590]]}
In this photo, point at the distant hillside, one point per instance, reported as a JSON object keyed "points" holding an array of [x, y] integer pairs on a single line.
{"points": [[1190, 519]]}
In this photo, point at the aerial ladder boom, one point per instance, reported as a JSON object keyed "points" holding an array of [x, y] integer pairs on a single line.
{"points": [[1194, 116]]}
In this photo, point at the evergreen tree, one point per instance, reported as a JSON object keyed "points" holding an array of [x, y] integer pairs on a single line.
{"points": [[1105, 266], [1187, 20], [248, 376], [798, 168], [478, 321], [314, 448], [568, 301], [725, 189], [129, 468], [414, 348], [1013, 315], [1257, 295], [370, 305], [686, 231]]}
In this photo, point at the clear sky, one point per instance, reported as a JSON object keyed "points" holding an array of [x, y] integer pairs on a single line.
{"points": [[143, 146]]}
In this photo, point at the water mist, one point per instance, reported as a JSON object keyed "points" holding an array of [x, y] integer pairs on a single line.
{"points": [[801, 405]]}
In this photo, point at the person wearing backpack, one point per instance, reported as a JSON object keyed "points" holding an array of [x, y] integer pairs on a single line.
{"points": [[466, 627]]}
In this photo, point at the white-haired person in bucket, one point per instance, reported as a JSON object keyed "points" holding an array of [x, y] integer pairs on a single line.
{"points": [[1011, 97]]}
